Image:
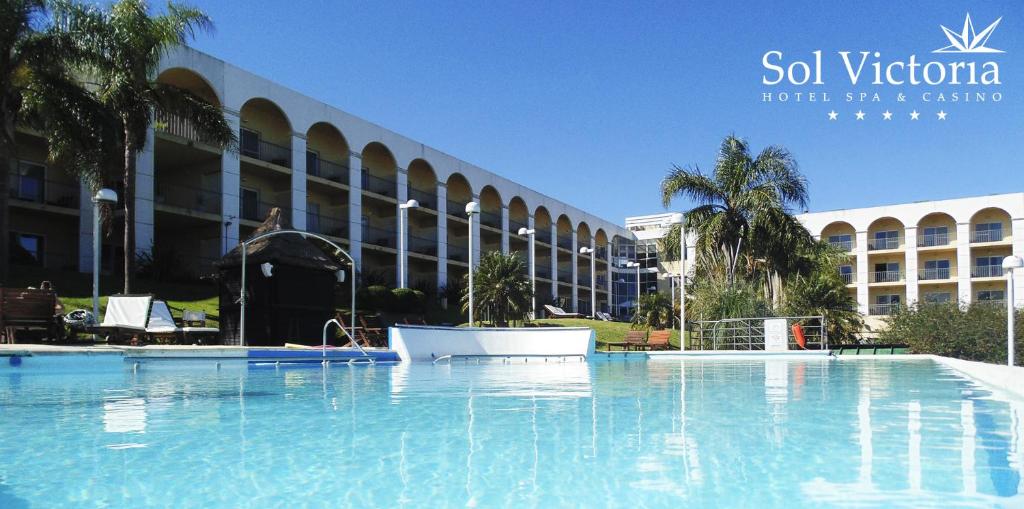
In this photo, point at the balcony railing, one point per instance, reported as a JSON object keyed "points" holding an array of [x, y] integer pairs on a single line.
{"points": [[564, 276], [883, 309], [188, 197], [936, 239], [31, 189], [326, 225], [258, 148], [379, 236], [602, 253], [878, 244], [845, 245], [380, 185], [428, 200], [423, 245], [542, 272], [848, 278], [328, 170], [565, 242], [490, 219], [177, 126], [514, 226], [887, 276], [259, 211], [458, 253], [934, 274], [987, 271], [987, 236], [584, 281], [543, 236]]}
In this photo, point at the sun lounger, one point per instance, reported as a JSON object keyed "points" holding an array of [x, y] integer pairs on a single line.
{"points": [[557, 312], [605, 317], [125, 314]]}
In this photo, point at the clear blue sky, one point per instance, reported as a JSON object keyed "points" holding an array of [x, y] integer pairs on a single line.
{"points": [[592, 102]]}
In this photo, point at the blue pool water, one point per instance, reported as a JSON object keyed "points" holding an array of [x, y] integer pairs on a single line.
{"points": [[80, 431]]}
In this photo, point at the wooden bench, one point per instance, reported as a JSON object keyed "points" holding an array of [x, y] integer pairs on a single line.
{"points": [[28, 309]]}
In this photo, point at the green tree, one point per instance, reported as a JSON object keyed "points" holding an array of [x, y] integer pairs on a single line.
{"points": [[126, 43], [501, 289], [743, 210], [39, 91], [821, 291], [654, 311]]}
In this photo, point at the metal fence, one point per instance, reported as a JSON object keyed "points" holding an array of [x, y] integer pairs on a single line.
{"points": [[935, 239], [380, 185], [426, 199], [327, 170], [748, 333], [986, 271], [883, 243], [987, 236]]}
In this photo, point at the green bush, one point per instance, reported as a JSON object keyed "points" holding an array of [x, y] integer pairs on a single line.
{"points": [[976, 332], [407, 300], [375, 298]]}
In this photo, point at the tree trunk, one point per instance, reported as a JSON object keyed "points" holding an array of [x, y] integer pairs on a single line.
{"points": [[129, 213]]}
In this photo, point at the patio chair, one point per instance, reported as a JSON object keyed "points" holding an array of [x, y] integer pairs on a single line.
{"points": [[658, 340], [604, 317], [376, 335], [557, 312], [193, 323], [124, 314], [634, 339], [28, 308], [360, 334]]}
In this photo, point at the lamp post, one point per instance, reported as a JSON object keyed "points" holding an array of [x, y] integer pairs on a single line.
{"points": [[678, 218], [593, 285], [529, 232], [403, 240], [637, 266], [1010, 265], [102, 196], [472, 209]]}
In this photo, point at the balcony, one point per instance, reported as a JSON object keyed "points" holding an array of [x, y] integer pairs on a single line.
{"points": [[423, 245], [881, 244], [887, 276], [543, 236], [848, 278], [584, 281], [565, 276], [426, 199], [542, 272], [326, 225], [565, 242], [844, 245], [380, 185], [934, 274], [490, 219], [177, 126], [458, 253], [334, 172], [379, 236], [252, 145], [987, 271], [188, 198], [933, 240], [883, 309], [514, 226], [602, 253], [49, 192], [987, 236]]}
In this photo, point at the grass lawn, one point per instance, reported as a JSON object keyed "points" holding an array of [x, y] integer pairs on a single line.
{"points": [[75, 291], [607, 332]]}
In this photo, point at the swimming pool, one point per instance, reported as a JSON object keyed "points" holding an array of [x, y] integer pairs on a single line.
{"points": [[89, 431]]}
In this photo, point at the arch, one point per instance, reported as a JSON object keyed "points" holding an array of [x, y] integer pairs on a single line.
{"points": [[379, 169], [936, 229], [601, 237], [564, 225], [422, 183], [541, 219], [326, 152], [984, 225], [518, 214], [190, 80], [840, 234], [490, 207], [459, 194], [266, 132], [881, 233], [583, 234]]}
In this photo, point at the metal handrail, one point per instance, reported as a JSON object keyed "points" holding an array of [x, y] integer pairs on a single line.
{"points": [[323, 349]]}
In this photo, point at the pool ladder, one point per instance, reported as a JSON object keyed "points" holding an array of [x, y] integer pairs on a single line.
{"points": [[365, 359], [507, 358]]}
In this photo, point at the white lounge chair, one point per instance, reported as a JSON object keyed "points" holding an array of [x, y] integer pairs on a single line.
{"points": [[605, 317], [557, 312], [125, 313], [189, 319], [161, 323]]}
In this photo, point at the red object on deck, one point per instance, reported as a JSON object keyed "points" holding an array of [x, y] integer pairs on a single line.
{"points": [[798, 333]]}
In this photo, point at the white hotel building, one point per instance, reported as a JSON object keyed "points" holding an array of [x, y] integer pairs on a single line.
{"points": [[329, 172]]}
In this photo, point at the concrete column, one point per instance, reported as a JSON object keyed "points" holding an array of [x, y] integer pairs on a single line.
{"points": [[504, 229], [575, 273], [475, 255], [145, 172], [963, 262], [530, 225], [442, 235], [554, 261], [85, 228], [910, 253], [402, 192], [593, 275], [863, 299], [298, 181], [1017, 231], [355, 208], [230, 189], [608, 274]]}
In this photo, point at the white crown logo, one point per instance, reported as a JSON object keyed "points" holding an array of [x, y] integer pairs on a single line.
{"points": [[968, 41]]}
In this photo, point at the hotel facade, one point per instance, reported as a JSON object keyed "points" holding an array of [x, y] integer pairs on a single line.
{"points": [[330, 173]]}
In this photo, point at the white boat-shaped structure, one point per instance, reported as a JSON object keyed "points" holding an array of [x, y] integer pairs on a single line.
{"points": [[427, 343]]}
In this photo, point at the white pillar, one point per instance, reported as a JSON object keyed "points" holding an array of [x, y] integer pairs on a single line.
{"points": [[144, 184], [476, 236], [355, 208], [1017, 231], [593, 276], [504, 229], [575, 273], [964, 262], [554, 261], [863, 300], [532, 258], [85, 228], [230, 188], [298, 181], [910, 253], [402, 192], [442, 235], [608, 274]]}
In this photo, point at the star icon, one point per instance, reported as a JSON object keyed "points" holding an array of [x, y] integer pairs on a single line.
{"points": [[860, 115], [832, 115], [887, 115], [941, 114], [914, 114]]}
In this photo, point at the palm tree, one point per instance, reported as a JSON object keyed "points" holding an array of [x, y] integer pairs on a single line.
{"points": [[127, 43], [743, 208], [501, 288], [38, 91], [654, 311]]}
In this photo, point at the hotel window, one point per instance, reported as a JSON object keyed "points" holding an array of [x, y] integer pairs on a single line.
{"points": [[844, 242], [988, 232], [935, 236], [313, 163], [846, 273], [936, 269], [887, 300], [937, 297], [30, 182], [991, 296], [887, 272], [887, 239], [26, 249], [249, 143], [250, 204], [988, 266]]}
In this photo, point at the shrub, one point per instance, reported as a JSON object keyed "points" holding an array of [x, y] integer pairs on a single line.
{"points": [[407, 300], [655, 312], [376, 298], [976, 332]]}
